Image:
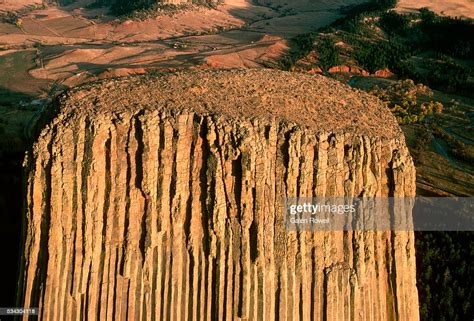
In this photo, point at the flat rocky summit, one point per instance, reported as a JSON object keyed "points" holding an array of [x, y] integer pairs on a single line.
{"points": [[314, 101]]}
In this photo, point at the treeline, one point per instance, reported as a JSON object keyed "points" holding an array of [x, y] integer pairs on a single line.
{"points": [[300, 46], [450, 39], [445, 275], [447, 35], [384, 54], [121, 7], [125, 7], [328, 53]]}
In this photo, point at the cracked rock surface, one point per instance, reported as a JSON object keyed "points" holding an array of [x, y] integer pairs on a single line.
{"points": [[161, 198]]}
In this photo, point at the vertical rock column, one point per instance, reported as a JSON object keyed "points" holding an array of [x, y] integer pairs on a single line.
{"points": [[178, 215]]}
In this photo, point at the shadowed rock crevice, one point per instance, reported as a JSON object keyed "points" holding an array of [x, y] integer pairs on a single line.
{"points": [[180, 199]]}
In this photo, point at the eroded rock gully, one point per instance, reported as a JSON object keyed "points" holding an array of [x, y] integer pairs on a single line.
{"points": [[161, 198]]}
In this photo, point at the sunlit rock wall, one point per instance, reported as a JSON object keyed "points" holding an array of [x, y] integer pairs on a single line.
{"points": [[161, 198]]}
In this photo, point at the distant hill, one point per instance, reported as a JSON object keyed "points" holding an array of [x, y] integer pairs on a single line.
{"points": [[457, 8], [8, 5]]}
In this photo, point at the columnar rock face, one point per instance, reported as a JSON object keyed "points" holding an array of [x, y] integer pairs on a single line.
{"points": [[161, 198]]}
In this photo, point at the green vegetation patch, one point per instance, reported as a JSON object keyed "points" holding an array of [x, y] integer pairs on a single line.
{"points": [[403, 99], [445, 275], [143, 9], [328, 53], [301, 46], [443, 46]]}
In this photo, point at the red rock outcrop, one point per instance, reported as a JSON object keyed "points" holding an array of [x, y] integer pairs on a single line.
{"points": [[161, 198]]}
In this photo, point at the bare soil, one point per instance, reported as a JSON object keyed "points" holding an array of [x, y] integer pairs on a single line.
{"points": [[456, 8]]}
